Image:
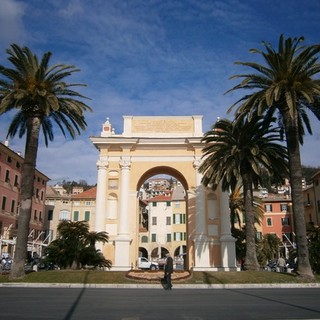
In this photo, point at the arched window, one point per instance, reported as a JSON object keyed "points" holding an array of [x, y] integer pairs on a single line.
{"points": [[144, 239]]}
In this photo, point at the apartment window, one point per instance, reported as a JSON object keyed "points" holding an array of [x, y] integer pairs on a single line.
{"points": [[50, 215], [154, 221], [285, 221], [9, 159], [269, 222], [179, 218], [13, 203], [259, 235], [76, 216], [16, 181], [177, 204], [168, 237], [144, 239], [18, 165], [153, 237], [179, 236], [88, 203], [7, 178], [284, 207], [35, 217], [168, 203], [168, 221], [268, 207], [41, 195], [64, 215], [154, 204], [40, 216], [87, 215], [4, 200]]}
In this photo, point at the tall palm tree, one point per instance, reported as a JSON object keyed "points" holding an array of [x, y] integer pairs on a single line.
{"points": [[42, 97], [239, 150], [286, 84]]}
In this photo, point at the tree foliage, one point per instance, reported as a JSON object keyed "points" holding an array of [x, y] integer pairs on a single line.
{"points": [[285, 85], [42, 98], [75, 246]]}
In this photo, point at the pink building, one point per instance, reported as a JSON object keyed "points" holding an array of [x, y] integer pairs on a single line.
{"points": [[11, 166]]}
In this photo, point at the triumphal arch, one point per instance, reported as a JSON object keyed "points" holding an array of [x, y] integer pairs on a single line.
{"points": [[151, 145]]}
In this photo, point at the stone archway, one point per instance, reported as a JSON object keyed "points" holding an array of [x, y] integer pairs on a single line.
{"points": [[147, 146]]}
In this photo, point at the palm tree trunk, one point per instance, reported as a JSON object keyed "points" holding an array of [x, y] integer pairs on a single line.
{"points": [[251, 260], [26, 194], [304, 267]]}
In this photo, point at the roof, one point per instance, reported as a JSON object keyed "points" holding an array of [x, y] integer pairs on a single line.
{"points": [[88, 194], [160, 198]]}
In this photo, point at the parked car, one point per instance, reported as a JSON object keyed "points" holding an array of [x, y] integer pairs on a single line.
{"points": [[144, 263]]}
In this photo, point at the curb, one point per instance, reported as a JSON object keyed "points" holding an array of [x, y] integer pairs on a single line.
{"points": [[158, 286]]}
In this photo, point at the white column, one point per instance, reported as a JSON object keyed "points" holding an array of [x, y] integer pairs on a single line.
{"points": [[122, 241], [123, 227], [201, 241], [228, 249], [100, 223]]}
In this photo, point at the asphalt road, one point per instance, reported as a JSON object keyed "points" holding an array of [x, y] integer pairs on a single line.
{"points": [[144, 304]]}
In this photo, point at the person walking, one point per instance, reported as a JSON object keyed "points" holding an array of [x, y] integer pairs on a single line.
{"points": [[281, 264], [168, 270]]}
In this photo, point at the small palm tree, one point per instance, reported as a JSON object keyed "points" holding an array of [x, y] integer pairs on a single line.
{"points": [[286, 83], [41, 97], [268, 248], [74, 246], [239, 150]]}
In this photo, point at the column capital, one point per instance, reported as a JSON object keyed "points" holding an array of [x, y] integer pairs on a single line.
{"points": [[102, 164], [125, 163]]}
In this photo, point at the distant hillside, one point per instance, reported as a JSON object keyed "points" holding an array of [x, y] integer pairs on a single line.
{"points": [[308, 172]]}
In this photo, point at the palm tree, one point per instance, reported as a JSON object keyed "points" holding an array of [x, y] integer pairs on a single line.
{"points": [[268, 248], [285, 84], [75, 246], [41, 97], [239, 150]]}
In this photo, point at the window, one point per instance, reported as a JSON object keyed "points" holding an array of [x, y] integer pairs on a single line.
{"points": [[285, 221], [76, 216], [259, 235], [168, 203], [35, 217], [179, 236], [7, 178], [50, 215], [168, 221], [41, 195], [40, 216], [16, 181], [269, 222], [64, 215], [177, 204], [154, 221], [179, 218], [88, 203], [153, 237], [168, 237], [283, 207], [144, 239], [4, 200], [9, 159], [154, 204], [13, 203], [268, 207], [87, 215]]}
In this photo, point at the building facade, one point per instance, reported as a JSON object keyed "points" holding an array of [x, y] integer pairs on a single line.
{"points": [[11, 166]]}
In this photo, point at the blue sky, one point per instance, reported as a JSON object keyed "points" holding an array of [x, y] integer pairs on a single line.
{"points": [[149, 57]]}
